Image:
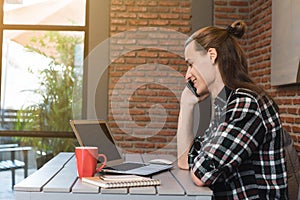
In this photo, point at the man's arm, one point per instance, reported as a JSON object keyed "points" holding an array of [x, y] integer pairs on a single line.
{"points": [[185, 134]]}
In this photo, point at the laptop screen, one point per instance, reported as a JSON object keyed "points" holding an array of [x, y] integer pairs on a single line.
{"points": [[96, 133]]}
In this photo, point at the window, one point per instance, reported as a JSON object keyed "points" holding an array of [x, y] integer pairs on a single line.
{"points": [[43, 43], [40, 54]]}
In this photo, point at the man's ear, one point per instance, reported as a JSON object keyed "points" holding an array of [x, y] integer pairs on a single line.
{"points": [[212, 54]]}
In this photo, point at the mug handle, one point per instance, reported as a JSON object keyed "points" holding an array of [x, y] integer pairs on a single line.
{"points": [[103, 164]]}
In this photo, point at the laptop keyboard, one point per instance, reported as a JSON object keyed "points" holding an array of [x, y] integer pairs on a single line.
{"points": [[127, 166]]}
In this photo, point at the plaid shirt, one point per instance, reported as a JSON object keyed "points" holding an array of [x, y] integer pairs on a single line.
{"points": [[241, 155]]}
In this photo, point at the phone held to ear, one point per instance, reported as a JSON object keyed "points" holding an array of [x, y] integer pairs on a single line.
{"points": [[190, 85]]}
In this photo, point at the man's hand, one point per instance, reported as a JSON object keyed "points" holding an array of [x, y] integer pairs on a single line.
{"points": [[196, 180], [188, 98]]}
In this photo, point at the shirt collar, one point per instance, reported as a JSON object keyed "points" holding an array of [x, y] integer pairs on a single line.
{"points": [[221, 99]]}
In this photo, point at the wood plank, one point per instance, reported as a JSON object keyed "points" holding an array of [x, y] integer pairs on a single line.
{"points": [[59, 160], [169, 185], [22, 195], [15, 149], [77, 196], [37, 180], [80, 187], [142, 190], [8, 165], [114, 191], [71, 164], [62, 182], [8, 145], [183, 177]]}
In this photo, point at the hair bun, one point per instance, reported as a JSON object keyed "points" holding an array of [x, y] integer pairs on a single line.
{"points": [[237, 28]]}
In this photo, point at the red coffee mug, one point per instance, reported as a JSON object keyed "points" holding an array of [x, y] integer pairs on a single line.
{"points": [[86, 161]]}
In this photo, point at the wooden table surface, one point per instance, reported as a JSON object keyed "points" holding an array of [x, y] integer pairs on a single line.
{"points": [[58, 179]]}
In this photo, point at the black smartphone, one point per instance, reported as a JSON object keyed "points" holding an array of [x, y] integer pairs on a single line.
{"points": [[190, 85]]}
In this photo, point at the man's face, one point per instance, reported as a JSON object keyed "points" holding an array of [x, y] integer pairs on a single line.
{"points": [[200, 70]]}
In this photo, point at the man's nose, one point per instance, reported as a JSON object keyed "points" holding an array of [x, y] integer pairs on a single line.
{"points": [[188, 73]]}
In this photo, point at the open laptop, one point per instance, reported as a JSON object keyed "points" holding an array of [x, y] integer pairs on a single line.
{"points": [[97, 133]]}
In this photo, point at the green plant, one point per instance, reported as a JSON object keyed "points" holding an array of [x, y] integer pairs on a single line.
{"points": [[54, 110]]}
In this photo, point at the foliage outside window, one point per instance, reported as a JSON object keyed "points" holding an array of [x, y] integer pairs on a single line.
{"points": [[55, 31], [57, 81]]}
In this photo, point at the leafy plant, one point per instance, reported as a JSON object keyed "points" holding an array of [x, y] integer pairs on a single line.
{"points": [[56, 85]]}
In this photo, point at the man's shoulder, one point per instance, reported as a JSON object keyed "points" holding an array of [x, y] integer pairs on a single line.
{"points": [[244, 94]]}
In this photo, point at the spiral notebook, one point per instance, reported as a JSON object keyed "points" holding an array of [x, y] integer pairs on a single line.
{"points": [[120, 181]]}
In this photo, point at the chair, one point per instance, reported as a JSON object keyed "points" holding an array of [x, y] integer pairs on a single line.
{"points": [[13, 164]]}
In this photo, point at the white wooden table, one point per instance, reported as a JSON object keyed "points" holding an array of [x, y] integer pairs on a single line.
{"points": [[57, 179]]}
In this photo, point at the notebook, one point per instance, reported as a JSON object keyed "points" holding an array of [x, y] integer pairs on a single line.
{"points": [[97, 133], [108, 181]]}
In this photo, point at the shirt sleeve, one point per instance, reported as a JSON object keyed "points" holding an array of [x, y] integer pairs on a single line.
{"points": [[233, 141]]}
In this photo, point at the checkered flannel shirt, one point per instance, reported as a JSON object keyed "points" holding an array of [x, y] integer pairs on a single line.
{"points": [[240, 155]]}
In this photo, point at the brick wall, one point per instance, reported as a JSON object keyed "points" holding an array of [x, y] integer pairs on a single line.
{"points": [[143, 59], [146, 72]]}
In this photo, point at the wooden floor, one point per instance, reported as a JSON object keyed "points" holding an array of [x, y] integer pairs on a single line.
{"points": [[6, 192]]}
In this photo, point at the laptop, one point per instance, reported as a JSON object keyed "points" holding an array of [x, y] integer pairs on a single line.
{"points": [[97, 133]]}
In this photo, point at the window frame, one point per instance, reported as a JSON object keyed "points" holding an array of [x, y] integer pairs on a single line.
{"points": [[3, 27]]}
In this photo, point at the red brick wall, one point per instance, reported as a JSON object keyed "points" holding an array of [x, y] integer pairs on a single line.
{"points": [[146, 81], [175, 15], [287, 97]]}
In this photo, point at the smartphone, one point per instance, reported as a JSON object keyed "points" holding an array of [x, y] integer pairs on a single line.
{"points": [[190, 85]]}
